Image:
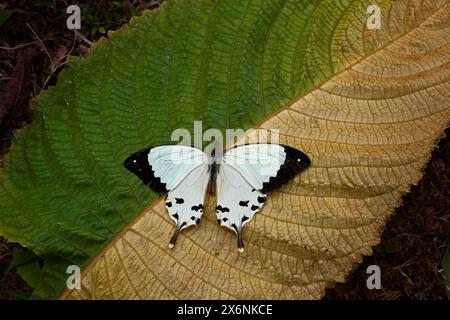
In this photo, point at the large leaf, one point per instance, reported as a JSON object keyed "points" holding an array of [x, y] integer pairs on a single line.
{"points": [[366, 106]]}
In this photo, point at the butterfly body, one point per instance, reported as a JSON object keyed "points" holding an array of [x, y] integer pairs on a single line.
{"points": [[213, 171], [240, 178]]}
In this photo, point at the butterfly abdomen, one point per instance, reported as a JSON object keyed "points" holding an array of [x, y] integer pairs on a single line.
{"points": [[213, 171]]}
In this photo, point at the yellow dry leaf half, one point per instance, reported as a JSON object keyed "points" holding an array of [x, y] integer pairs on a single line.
{"points": [[369, 130]]}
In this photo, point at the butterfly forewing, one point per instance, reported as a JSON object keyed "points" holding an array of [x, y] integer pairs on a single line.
{"points": [[162, 168], [266, 166]]}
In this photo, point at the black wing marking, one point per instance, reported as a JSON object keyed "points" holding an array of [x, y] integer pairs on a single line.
{"points": [[295, 162], [139, 165]]}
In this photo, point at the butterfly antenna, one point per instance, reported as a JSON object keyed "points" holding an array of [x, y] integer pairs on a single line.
{"points": [[173, 240]]}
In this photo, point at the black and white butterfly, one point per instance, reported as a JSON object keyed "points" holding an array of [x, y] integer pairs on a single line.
{"points": [[240, 178]]}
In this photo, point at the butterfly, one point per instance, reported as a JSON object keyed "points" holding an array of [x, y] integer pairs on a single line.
{"points": [[241, 178]]}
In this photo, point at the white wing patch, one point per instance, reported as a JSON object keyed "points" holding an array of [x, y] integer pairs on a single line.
{"points": [[173, 163], [237, 201], [185, 202], [256, 162]]}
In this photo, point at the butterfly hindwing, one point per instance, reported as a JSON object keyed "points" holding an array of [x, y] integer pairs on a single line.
{"points": [[185, 202], [237, 201]]}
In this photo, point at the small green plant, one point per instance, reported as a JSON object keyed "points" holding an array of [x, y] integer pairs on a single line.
{"points": [[4, 16]]}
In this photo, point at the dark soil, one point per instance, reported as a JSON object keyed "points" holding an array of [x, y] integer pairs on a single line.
{"points": [[413, 242]]}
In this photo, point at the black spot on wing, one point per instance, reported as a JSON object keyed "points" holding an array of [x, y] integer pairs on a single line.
{"points": [[175, 215], [225, 219], [196, 208], [262, 199], [243, 203], [192, 218], [295, 162], [179, 200], [222, 209], [138, 164], [169, 204], [253, 208], [244, 218]]}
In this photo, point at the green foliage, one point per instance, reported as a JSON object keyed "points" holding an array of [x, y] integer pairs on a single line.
{"points": [[28, 265], [104, 15], [64, 192], [4, 16]]}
